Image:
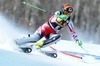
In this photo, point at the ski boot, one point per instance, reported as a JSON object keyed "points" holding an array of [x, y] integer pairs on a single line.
{"points": [[35, 46], [39, 44]]}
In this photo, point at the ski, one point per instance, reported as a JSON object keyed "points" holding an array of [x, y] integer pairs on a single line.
{"points": [[26, 50], [49, 53], [30, 48]]}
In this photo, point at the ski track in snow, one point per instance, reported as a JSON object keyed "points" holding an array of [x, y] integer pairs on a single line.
{"points": [[7, 52]]}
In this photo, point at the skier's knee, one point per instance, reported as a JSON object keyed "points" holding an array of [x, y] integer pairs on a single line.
{"points": [[55, 36]]}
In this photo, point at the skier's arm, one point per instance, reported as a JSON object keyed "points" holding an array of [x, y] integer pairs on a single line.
{"points": [[72, 30]]}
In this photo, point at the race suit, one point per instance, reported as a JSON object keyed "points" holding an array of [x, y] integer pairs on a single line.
{"points": [[50, 30]]}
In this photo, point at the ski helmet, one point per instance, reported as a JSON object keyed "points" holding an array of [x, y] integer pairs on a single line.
{"points": [[68, 9]]}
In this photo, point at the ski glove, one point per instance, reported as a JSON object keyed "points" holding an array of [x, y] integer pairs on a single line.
{"points": [[62, 18], [79, 42]]}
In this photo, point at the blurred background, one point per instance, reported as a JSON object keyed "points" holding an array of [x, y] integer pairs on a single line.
{"points": [[86, 16]]}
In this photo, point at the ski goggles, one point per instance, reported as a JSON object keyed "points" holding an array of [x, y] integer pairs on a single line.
{"points": [[69, 10]]}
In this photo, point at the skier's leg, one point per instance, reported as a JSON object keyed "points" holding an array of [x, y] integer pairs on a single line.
{"points": [[27, 43], [35, 37], [53, 38]]}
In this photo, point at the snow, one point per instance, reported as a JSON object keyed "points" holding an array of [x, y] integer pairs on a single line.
{"points": [[11, 57]]}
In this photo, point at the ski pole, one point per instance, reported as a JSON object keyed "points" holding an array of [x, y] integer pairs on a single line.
{"points": [[28, 4], [80, 43], [72, 55], [85, 50]]}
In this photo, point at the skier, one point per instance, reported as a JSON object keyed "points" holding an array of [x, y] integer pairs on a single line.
{"points": [[50, 29]]}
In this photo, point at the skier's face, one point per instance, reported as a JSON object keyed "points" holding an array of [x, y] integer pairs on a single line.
{"points": [[68, 11], [68, 14]]}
